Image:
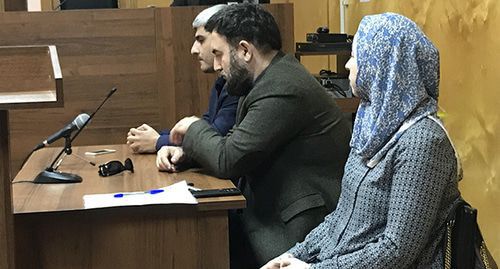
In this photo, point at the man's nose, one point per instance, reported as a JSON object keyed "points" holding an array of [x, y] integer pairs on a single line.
{"points": [[217, 65], [194, 49]]}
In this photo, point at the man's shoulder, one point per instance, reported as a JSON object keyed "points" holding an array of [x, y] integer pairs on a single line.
{"points": [[219, 84], [285, 70], [287, 75]]}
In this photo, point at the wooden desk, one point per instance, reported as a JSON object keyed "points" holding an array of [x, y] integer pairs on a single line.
{"points": [[53, 230]]}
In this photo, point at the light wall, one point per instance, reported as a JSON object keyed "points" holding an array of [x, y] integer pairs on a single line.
{"points": [[466, 33]]}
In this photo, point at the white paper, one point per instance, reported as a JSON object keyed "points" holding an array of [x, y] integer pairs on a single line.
{"points": [[177, 193]]}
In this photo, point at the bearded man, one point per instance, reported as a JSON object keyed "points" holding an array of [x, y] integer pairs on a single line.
{"points": [[288, 146]]}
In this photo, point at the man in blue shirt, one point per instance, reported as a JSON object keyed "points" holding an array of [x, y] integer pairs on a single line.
{"points": [[221, 108]]}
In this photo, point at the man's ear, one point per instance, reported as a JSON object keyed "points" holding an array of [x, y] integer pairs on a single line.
{"points": [[247, 50]]}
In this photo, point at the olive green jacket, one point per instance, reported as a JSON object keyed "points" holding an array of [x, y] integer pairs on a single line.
{"points": [[289, 145]]}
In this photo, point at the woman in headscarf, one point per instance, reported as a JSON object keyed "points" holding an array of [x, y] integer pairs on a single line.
{"points": [[400, 180]]}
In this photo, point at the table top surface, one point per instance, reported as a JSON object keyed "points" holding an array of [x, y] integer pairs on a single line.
{"points": [[28, 197]]}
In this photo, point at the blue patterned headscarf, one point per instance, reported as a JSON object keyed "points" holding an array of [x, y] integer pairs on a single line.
{"points": [[397, 81]]}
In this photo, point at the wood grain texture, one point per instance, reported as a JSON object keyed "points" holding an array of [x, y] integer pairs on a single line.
{"points": [[7, 244], [145, 53], [25, 69], [53, 230], [30, 75], [35, 198], [98, 49], [15, 5], [142, 237], [6, 218]]}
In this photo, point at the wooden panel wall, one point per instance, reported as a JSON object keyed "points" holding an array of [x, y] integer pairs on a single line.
{"points": [[145, 53], [97, 50], [6, 219], [15, 5]]}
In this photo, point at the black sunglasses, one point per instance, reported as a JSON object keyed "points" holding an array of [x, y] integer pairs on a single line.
{"points": [[114, 167]]}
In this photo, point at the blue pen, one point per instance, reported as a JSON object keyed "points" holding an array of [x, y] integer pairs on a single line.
{"points": [[120, 195]]}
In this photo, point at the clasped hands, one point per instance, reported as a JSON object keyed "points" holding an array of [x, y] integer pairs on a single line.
{"points": [[286, 260], [169, 156], [142, 139]]}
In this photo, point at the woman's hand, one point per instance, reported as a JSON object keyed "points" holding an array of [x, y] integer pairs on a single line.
{"points": [[276, 262], [294, 263]]}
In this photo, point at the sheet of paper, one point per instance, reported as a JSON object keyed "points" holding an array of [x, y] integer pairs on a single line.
{"points": [[177, 193]]}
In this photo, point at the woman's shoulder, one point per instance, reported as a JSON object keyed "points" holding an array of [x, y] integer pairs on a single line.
{"points": [[425, 131]]}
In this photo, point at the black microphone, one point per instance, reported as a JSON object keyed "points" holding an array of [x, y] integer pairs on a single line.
{"points": [[76, 124]]}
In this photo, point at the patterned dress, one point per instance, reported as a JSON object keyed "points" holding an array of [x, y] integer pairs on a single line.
{"points": [[392, 215]]}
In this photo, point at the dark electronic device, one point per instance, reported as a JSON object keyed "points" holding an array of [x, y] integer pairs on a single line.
{"points": [[177, 3], [215, 192], [323, 35], [88, 4], [336, 85]]}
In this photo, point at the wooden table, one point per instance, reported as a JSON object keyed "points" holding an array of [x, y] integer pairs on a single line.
{"points": [[54, 230]]}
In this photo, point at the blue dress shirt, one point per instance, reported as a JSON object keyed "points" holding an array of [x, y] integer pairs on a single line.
{"points": [[221, 112]]}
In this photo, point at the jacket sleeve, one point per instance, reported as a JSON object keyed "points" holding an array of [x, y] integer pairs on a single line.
{"points": [[270, 121], [309, 248]]}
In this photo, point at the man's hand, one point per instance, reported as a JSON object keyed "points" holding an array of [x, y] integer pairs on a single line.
{"points": [[142, 139], [167, 157], [177, 133], [276, 263]]}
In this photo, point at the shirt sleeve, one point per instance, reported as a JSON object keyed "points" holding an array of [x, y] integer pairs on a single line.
{"points": [[163, 140], [421, 173]]}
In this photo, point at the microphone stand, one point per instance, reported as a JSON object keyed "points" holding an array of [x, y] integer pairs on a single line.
{"points": [[50, 174]]}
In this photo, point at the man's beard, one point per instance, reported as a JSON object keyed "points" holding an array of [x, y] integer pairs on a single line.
{"points": [[239, 81]]}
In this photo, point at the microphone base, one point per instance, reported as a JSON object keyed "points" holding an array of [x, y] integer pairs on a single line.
{"points": [[46, 177]]}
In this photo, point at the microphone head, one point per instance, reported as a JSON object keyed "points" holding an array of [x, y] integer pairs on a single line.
{"points": [[81, 120], [111, 92]]}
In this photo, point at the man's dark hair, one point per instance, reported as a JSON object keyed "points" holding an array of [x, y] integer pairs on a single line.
{"points": [[248, 22]]}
